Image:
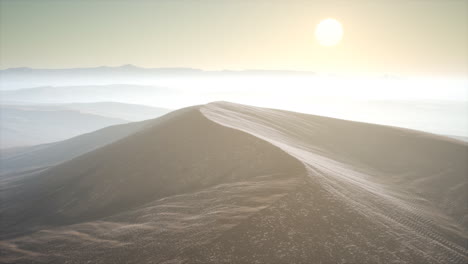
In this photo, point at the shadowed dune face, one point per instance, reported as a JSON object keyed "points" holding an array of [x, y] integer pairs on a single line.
{"points": [[167, 229], [227, 183], [183, 152]]}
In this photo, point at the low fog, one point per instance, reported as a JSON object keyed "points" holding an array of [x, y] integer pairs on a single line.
{"points": [[432, 105]]}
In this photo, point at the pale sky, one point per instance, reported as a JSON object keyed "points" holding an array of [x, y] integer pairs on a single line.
{"points": [[401, 37]]}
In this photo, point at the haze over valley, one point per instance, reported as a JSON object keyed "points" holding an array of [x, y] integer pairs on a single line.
{"points": [[433, 105]]}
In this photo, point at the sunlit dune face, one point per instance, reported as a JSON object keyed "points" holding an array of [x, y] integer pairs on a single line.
{"points": [[329, 32]]}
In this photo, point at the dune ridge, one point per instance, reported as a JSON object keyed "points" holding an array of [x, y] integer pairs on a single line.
{"points": [[228, 183], [362, 186]]}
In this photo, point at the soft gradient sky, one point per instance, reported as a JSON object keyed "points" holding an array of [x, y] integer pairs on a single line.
{"points": [[402, 37]]}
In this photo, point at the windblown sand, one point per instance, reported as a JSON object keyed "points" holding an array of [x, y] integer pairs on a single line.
{"points": [[228, 183]]}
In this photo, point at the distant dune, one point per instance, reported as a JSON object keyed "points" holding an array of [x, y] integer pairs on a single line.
{"points": [[23, 127], [228, 183], [130, 112], [13, 160], [26, 125]]}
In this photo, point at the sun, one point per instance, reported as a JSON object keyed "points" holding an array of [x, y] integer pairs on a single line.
{"points": [[329, 32]]}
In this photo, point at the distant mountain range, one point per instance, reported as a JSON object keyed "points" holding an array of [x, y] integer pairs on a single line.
{"points": [[18, 78]]}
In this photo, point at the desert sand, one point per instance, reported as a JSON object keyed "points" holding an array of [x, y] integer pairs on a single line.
{"points": [[229, 183]]}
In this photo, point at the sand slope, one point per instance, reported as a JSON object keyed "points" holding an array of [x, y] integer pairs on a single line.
{"points": [[27, 125], [227, 183], [45, 155]]}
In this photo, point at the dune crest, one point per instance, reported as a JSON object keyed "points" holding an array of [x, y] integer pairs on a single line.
{"points": [[228, 183], [415, 186]]}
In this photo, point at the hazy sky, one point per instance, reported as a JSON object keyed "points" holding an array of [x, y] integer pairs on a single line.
{"points": [[409, 37]]}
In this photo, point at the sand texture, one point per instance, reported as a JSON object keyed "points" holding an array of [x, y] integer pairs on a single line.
{"points": [[229, 183]]}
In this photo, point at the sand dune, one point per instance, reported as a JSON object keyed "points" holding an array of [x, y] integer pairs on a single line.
{"points": [[228, 183], [122, 111], [28, 125], [45, 155]]}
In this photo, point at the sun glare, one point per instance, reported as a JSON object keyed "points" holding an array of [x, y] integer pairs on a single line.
{"points": [[329, 32]]}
